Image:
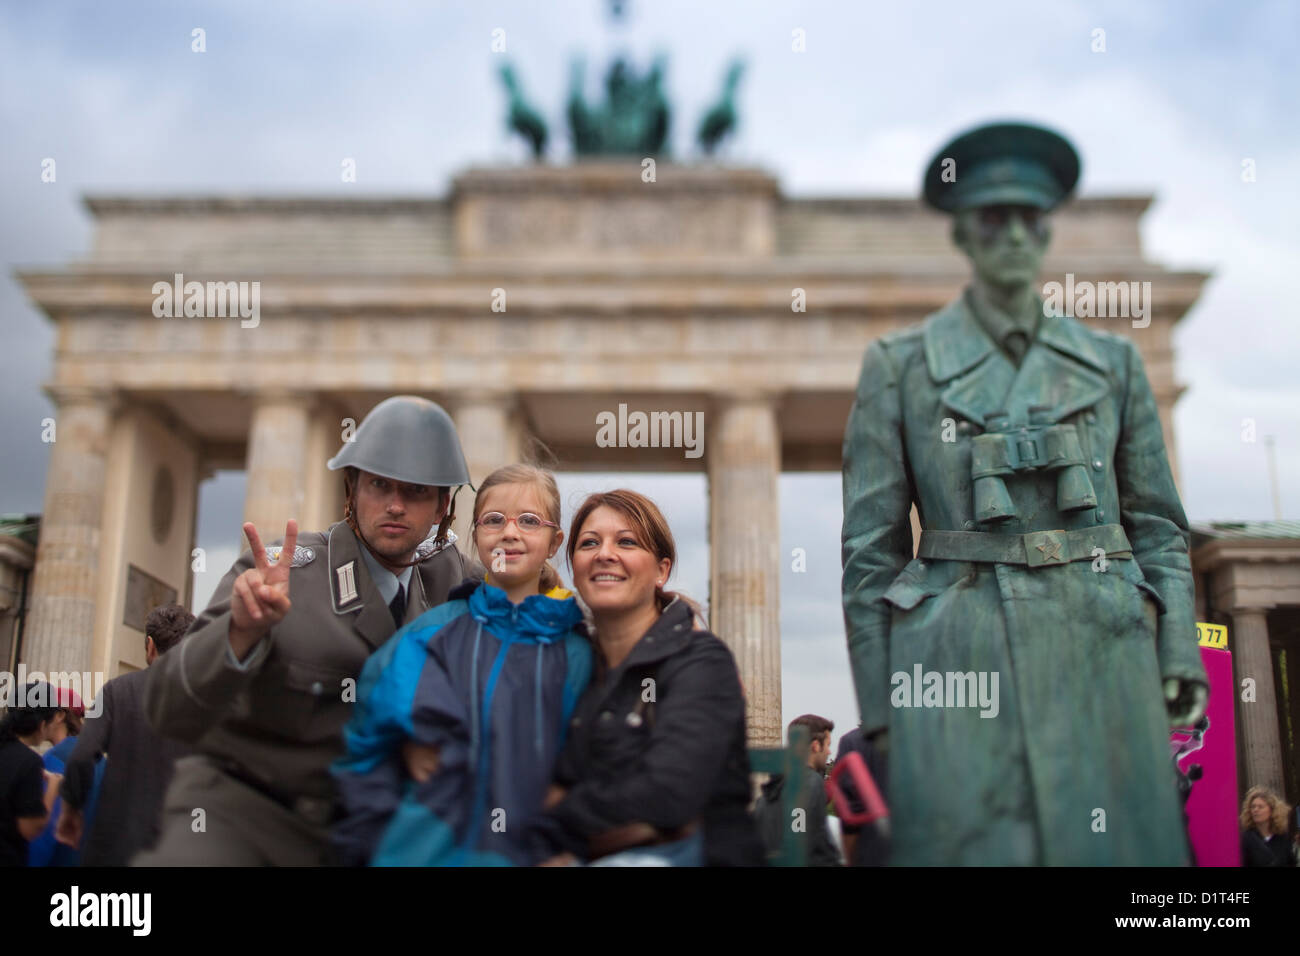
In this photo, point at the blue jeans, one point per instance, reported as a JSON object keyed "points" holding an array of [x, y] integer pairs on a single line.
{"points": [[687, 852]]}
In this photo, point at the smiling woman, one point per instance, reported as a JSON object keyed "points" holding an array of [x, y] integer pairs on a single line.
{"points": [[655, 770]]}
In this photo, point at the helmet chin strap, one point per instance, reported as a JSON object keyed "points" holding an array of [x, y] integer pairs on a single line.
{"points": [[350, 516]]}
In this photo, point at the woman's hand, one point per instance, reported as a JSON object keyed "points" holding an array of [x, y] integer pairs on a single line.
{"points": [[421, 760]]}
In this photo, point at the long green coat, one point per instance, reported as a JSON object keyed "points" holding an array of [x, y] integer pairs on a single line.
{"points": [[1075, 766]]}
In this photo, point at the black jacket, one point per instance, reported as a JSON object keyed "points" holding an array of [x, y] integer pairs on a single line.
{"points": [[660, 740], [770, 815], [1256, 851]]}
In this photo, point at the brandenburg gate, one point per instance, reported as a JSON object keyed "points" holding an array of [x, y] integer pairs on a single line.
{"points": [[528, 301]]}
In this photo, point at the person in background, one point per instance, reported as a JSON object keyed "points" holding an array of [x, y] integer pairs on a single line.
{"points": [[24, 810], [45, 850], [863, 846], [1264, 831], [139, 765], [655, 770], [808, 817]]}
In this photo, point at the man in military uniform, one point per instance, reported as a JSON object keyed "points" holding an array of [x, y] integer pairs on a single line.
{"points": [[1053, 556], [262, 687]]}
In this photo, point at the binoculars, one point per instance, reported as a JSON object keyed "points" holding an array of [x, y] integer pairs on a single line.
{"points": [[1005, 449]]}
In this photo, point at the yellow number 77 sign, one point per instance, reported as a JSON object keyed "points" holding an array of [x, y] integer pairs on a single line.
{"points": [[1211, 635]]}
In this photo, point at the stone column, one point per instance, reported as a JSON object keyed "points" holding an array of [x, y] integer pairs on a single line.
{"points": [[744, 462], [491, 436], [61, 625], [1251, 657], [277, 461]]}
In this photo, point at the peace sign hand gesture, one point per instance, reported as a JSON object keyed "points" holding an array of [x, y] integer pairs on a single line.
{"points": [[259, 598]]}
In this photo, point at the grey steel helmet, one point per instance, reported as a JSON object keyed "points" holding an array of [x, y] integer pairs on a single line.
{"points": [[406, 438]]}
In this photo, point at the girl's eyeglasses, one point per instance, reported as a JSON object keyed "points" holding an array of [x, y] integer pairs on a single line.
{"points": [[526, 522]]}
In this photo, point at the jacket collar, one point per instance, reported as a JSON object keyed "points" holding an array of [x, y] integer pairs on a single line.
{"points": [[667, 636], [540, 618], [1060, 369], [352, 590]]}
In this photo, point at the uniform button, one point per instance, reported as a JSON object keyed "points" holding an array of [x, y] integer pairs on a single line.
{"points": [[1096, 464], [968, 525], [575, 721], [634, 719], [318, 688], [964, 427], [607, 716], [1090, 418], [1101, 516]]}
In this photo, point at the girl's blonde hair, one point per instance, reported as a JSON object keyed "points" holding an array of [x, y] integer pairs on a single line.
{"points": [[544, 481]]}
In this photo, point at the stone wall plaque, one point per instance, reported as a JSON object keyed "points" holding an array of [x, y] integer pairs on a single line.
{"points": [[144, 592]]}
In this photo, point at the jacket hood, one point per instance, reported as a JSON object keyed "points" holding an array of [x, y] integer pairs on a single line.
{"points": [[541, 618]]}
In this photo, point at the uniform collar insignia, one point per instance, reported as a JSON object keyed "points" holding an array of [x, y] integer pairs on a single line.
{"points": [[431, 545], [301, 556], [372, 620]]}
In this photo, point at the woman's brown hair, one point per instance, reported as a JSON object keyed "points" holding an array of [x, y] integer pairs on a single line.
{"points": [[523, 474], [647, 523]]}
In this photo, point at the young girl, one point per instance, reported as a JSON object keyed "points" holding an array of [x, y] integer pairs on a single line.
{"points": [[461, 714]]}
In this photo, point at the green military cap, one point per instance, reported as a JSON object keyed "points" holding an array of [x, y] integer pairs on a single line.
{"points": [[1002, 163]]}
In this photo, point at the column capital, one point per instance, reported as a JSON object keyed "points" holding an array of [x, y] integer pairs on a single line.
{"points": [[504, 399], [106, 397], [1239, 609], [275, 394], [749, 395]]}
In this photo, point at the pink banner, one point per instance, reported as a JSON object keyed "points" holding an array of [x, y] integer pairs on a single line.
{"points": [[1212, 809]]}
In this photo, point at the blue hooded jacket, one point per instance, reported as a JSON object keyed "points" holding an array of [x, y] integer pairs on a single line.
{"points": [[492, 685]]}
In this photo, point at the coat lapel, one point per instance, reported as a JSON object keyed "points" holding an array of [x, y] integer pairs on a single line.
{"points": [[1062, 368], [352, 590], [959, 352]]}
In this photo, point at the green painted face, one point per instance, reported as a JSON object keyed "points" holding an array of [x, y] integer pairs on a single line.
{"points": [[1005, 244]]}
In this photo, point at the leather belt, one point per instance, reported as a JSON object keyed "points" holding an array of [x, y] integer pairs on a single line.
{"points": [[1035, 549], [318, 810]]}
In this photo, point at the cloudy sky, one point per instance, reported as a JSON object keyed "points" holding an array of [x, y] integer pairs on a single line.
{"points": [[1181, 95]]}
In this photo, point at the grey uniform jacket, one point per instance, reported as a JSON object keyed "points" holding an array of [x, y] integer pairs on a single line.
{"points": [[280, 718]]}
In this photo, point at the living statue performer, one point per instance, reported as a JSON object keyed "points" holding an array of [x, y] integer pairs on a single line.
{"points": [[1024, 669]]}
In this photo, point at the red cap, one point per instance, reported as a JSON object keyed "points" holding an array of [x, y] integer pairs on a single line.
{"points": [[68, 699]]}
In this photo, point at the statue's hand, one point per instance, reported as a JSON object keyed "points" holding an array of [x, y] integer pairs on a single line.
{"points": [[1185, 701]]}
